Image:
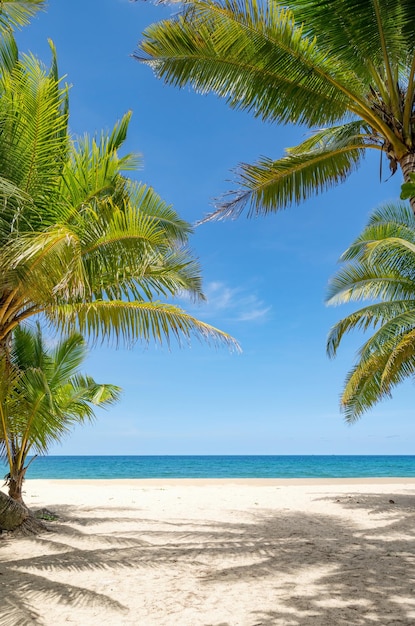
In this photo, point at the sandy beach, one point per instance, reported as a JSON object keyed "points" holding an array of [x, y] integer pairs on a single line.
{"points": [[214, 553]]}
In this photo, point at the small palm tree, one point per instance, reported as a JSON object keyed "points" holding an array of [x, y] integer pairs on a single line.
{"points": [[380, 267], [345, 70], [42, 396]]}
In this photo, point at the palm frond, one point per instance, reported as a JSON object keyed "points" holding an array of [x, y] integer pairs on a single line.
{"points": [[146, 200], [389, 221], [254, 55], [371, 316], [359, 32], [136, 321], [380, 265], [362, 281], [32, 120], [270, 185], [363, 389], [95, 393], [8, 52], [17, 13]]}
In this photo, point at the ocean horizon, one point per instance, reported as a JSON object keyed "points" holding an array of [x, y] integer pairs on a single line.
{"points": [[220, 466]]}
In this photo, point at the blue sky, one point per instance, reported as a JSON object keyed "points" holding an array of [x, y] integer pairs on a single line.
{"points": [[265, 278]]}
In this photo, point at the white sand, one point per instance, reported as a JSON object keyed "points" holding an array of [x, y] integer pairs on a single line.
{"points": [[214, 553]]}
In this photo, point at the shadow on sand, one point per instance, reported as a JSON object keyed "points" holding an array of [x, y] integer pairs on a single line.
{"points": [[314, 570]]}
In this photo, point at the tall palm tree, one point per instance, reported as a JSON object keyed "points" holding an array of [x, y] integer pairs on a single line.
{"points": [[80, 243], [378, 267], [42, 396], [345, 69]]}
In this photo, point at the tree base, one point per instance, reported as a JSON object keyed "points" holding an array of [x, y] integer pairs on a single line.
{"points": [[29, 527], [15, 517]]}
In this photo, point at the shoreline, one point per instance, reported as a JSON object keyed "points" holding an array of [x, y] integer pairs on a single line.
{"points": [[266, 482]]}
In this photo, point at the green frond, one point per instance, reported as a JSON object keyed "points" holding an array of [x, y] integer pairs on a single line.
{"points": [[367, 282], [31, 117], [124, 227], [145, 199], [47, 265], [392, 254], [252, 54], [378, 372], [270, 185], [93, 169], [380, 264], [8, 52], [335, 138], [355, 33], [97, 394], [118, 134], [371, 316], [136, 321], [401, 361], [388, 336], [53, 72], [363, 389], [17, 13], [395, 220], [394, 214], [68, 356]]}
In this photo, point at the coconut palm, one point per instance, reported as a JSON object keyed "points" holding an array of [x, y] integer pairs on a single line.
{"points": [[344, 69], [80, 243], [42, 396], [380, 267]]}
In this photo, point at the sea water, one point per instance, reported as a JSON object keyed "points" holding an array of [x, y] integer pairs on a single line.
{"points": [[233, 466]]}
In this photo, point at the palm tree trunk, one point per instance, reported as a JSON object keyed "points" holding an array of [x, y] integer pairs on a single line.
{"points": [[407, 164], [15, 484], [12, 513]]}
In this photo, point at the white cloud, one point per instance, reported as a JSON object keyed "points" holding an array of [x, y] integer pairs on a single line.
{"points": [[235, 302]]}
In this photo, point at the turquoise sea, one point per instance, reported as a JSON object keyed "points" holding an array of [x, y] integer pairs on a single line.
{"points": [[220, 467]]}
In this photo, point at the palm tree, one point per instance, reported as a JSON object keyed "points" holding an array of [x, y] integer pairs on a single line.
{"points": [[380, 267], [80, 243], [344, 69], [42, 396]]}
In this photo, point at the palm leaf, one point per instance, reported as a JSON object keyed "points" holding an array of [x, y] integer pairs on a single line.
{"points": [[360, 31], [380, 265], [363, 388], [371, 316], [272, 185], [17, 13], [136, 321], [253, 55], [32, 121]]}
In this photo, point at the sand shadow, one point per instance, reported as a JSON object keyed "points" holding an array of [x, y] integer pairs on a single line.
{"points": [[314, 570]]}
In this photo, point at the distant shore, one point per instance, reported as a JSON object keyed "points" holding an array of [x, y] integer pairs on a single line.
{"points": [[240, 552]]}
